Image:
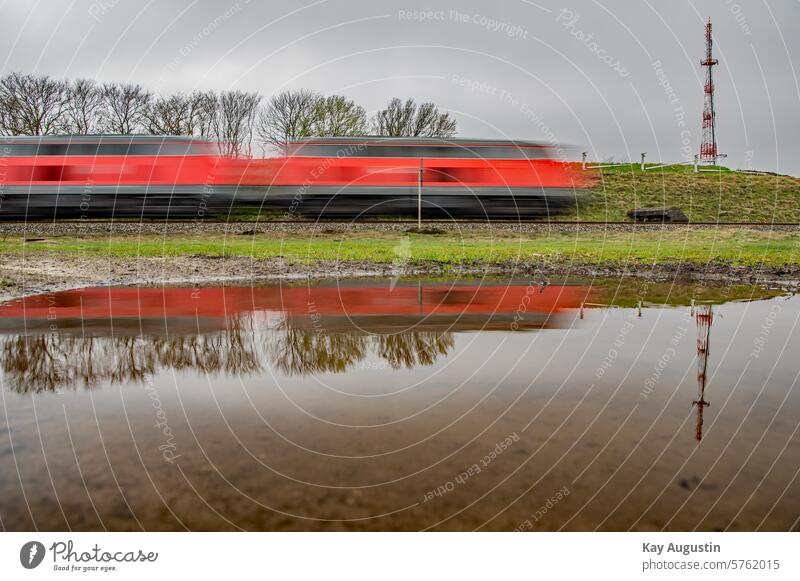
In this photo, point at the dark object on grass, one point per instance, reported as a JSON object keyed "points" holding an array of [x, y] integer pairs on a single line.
{"points": [[425, 230], [658, 215]]}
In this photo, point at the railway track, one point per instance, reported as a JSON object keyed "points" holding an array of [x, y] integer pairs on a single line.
{"points": [[399, 221]]}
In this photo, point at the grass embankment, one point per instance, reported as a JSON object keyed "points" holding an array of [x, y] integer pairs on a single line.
{"points": [[708, 196], [734, 246]]}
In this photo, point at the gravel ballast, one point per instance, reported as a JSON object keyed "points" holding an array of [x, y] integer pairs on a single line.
{"points": [[87, 228]]}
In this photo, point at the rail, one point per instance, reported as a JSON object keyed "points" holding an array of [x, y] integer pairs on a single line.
{"points": [[397, 221]]}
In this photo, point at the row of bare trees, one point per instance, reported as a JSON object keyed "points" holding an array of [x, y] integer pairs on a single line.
{"points": [[40, 105], [297, 114]]}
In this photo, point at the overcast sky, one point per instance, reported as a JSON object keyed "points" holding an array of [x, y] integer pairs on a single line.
{"points": [[612, 78]]}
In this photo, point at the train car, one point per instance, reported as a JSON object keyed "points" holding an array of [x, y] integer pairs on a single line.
{"points": [[139, 176], [125, 176], [379, 176]]}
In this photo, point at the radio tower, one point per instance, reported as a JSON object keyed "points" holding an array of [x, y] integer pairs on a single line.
{"points": [[708, 147], [704, 317]]}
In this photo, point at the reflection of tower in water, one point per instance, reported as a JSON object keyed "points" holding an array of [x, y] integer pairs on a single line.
{"points": [[704, 317]]}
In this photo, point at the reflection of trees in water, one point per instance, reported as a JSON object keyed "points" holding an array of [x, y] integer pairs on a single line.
{"points": [[230, 352], [306, 351], [46, 362], [53, 361], [301, 351], [49, 362], [410, 349]]}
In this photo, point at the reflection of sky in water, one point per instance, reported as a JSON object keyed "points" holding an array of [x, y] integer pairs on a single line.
{"points": [[340, 422]]}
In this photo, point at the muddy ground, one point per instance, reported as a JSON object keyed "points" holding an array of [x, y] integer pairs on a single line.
{"points": [[24, 275], [32, 275]]}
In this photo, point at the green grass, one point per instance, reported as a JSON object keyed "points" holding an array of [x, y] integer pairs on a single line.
{"points": [[709, 196], [735, 246]]}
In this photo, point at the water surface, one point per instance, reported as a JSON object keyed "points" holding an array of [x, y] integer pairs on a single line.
{"points": [[401, 405]]}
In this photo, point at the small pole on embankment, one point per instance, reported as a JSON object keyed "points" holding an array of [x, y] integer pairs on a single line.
{"points": [[696, 163], [583, 160], [643, 156], [419, 197]]}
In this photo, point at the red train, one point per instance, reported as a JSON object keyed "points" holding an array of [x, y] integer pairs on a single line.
{"points": [[153, 176], [105, 176]]}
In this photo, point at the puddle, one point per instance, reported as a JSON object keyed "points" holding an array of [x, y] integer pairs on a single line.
{"points": [[401, 405]]}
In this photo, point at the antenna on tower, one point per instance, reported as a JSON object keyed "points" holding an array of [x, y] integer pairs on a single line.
{"points": [[708, 146]]}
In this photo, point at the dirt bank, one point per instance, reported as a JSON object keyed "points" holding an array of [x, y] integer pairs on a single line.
{"points": [[34, 274]]}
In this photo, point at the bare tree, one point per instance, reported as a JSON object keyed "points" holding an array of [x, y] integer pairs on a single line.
{"points": [[84, 106], [338, 116], [204, 107], [126, 108], [196, 114], [234, 121], [287, 117], [407, 119], [32, 105], [170, 115]]}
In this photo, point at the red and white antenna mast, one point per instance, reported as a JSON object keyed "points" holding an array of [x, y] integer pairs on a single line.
{"points": [[708, 147]]}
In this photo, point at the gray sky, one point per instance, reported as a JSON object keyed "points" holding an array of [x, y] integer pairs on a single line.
{"points": [[506, 69]]}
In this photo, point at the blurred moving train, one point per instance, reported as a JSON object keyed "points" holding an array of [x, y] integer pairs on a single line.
{"points": [[138, 176]]}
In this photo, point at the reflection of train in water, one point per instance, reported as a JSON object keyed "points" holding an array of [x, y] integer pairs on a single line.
{"points": [[154, 176], [364, 307], [94, 335]]}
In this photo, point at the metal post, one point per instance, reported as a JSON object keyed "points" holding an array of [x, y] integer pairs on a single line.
{"points": [[419, 198], [696, 162], [643, 154], [581, 313], [639, 309], [583, 160]]}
